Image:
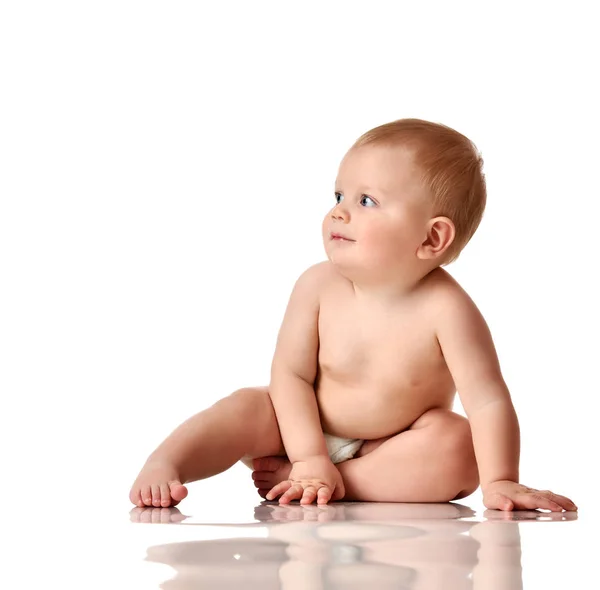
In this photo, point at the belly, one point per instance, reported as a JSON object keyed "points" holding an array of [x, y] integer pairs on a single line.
{"points": [[369, 412]]}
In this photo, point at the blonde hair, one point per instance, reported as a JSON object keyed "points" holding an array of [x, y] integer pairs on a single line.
{"points": [[451, 172]]}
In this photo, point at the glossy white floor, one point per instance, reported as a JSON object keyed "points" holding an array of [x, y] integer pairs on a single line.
{"points": [[223, 536], [358, 545]]}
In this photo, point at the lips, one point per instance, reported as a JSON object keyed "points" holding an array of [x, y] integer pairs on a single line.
{"points": [[335, 235]]}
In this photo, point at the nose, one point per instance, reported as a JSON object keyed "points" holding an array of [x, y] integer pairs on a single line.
{"points": [[339, 212]]}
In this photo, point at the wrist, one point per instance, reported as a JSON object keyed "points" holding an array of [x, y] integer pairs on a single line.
{"points": [[497, 481]]}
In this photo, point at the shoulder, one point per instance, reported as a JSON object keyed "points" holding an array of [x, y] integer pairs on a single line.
{"points": [[322, 281], [447, 296], [466, 344], [313, 282], [319, 276], [457, 321], [317, 273]]}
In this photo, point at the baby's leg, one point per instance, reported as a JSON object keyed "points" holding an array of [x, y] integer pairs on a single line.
{"points": [[241, 425], [431, 461]]}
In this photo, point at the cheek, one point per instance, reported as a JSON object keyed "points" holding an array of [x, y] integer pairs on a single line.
{"points": [[388, 242], [382, 234]]}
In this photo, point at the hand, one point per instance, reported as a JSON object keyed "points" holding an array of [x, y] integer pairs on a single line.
{"points": [[509, 495], [315, 477]]}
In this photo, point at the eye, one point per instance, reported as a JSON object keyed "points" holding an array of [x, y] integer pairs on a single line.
{"points": [[362, 198], [367, 197]]}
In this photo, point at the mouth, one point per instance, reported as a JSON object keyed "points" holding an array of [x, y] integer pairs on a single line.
{"points": [[340, 237]]}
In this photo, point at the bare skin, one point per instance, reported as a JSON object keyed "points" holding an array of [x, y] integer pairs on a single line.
{"points": [[351, 404], [397, 336]]}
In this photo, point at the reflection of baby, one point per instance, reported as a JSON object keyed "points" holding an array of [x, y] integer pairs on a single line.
{"points": [[419, 546], [373, 346]]}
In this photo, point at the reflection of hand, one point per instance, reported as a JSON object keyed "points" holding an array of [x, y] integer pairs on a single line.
{"points": [[509, 495], [311, 513], [314, 478], [524, 516]]}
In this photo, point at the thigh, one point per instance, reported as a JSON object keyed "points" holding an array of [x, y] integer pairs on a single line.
{"points": [[443, 420], [259, 409]]}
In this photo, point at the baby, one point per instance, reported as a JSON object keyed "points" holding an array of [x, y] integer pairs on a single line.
{"points": [[374, 344]]}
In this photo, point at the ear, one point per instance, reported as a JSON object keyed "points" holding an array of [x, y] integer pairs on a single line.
{"points": [[440, 234]]}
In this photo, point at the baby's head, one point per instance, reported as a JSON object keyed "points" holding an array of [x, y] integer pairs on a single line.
{"points": [[409, 193]]}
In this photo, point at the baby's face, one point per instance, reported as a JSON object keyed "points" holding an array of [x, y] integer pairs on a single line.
{"points": [[381, 206]]}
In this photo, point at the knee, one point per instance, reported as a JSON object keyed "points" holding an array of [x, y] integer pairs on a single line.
{"points": [[252, 406], [455, 445], [249, 399], [460, 437], [461, 457], [254, 411], [452, 430]]}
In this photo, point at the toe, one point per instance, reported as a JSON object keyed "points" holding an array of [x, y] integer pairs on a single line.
{"points": [[267, 463], [147, 495], [258, 475], [165, 495], [178, 491], [135, 496], [155, 495], [262, 464]]}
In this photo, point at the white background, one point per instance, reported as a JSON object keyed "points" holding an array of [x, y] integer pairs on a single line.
{"points": [[164, 170]]}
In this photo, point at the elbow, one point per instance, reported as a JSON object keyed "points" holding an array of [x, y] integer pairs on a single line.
{"points": [[501, 410], [282, 371], [496, 396], [284, 379]]}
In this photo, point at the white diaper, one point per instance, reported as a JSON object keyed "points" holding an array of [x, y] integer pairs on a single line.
{"points": [[342, 449], [339, 449]]}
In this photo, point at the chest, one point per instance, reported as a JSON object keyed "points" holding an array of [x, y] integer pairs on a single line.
{"points": [[390, 349]]}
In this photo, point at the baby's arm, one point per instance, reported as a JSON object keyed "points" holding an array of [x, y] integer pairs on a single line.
{"points": [[294, 369], [293, 373], [469, 351]]}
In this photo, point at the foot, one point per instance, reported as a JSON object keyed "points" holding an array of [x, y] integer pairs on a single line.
{"points": [[269, 471], [158, 484]]}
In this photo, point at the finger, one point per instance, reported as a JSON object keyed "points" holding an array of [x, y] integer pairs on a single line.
{"points": [[339, 492], [294, 493], [534, 501], [563, 501], [280, 488], [541, 501], [324, 495], [498, 502], [310, 493]]}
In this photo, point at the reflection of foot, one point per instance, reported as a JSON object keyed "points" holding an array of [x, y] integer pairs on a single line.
{"points": [[158, 484], [156, 515], [269, 471]]}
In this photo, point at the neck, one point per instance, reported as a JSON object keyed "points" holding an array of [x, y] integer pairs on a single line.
{"points": [[387, 289]]}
